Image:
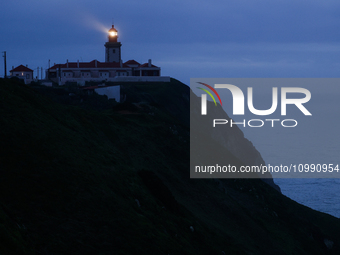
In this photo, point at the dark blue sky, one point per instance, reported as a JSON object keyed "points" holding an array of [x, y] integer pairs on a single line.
{"points": [[241, 38]]}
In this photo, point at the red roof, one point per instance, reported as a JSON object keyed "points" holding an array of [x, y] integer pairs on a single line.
{"points": [[21, 68], [91, 64], [132, 62], [147, 65]]}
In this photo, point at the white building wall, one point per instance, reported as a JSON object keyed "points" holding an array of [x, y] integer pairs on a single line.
{"points": [[67, 74], [81, 81], [104, 75], [26, 76], [112, 92], [112, 54]]}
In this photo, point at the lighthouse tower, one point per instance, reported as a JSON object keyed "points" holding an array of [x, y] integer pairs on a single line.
{"points": [[112, 47]]}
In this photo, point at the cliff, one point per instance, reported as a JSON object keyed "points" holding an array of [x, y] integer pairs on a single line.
{"points": [[231, 139], [84, 175]]}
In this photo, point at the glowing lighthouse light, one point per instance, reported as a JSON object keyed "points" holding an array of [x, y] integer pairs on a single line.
{"points": [[113, 33]]}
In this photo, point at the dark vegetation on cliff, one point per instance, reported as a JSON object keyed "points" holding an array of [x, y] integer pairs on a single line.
{"points": [[89, 176]]}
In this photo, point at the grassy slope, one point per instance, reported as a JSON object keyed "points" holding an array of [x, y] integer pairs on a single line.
{"points": [[70, 179]]}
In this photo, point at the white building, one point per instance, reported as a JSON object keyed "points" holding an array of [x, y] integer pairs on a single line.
{"points": [[112, 92], [22, 72], [112, 47], [113, 69]]}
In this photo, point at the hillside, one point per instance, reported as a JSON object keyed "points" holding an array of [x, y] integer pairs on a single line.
{"points": [[88, 176]]}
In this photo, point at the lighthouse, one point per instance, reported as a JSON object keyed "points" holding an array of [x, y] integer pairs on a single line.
{"points": [[112, 46], [112, 70]]}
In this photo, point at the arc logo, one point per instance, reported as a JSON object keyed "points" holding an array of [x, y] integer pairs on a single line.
{"points": [[204, 97]]}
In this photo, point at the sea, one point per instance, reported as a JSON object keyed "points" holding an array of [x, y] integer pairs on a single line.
{"points": [[315, 140]]}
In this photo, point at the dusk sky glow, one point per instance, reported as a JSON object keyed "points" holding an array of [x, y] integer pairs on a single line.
{"points": [[238, 38]]}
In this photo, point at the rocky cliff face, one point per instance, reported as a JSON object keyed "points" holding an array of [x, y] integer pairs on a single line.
{"points": [[114, 181], [230, 138]]}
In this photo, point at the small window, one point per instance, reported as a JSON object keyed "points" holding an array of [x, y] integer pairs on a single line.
{"points": [[113, 51], [27, 76], [64, 74]]}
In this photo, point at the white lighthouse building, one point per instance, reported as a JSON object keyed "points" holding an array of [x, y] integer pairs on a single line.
{"points": [[112, 47], [112, 70]]}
